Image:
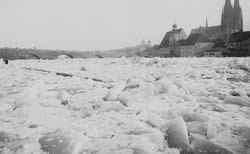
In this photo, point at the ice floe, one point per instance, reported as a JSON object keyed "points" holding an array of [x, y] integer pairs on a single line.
{"points": [[125, 106]]}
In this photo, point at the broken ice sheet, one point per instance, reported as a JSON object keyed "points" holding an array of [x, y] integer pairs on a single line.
{"points": [[156, 92]]}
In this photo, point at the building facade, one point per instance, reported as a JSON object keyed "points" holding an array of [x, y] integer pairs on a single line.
{"points": [[239, 44], [194, 46], [213, 53], [170, 40], [177, 44]]}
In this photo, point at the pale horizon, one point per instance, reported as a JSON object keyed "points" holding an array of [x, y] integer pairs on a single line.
{"points": [[103, 25]]}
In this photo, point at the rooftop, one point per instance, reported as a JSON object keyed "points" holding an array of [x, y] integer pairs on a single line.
{"points": [[240, 36], [195, 38]]}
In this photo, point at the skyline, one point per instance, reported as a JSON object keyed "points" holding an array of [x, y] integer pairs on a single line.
{"points": [[110, 24]]}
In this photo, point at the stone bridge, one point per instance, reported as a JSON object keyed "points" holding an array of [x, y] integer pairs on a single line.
{"points": [[12, 54]]}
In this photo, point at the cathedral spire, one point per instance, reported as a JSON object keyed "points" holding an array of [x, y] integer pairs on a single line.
{"points": [[236, 4], [227, 17], [228, 5], [237, 17], [206, 23]]}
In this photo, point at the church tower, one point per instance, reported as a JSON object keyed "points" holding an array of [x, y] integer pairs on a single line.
{"points": [[206, 23], [143, 44], [227, 18], [237, 17]]}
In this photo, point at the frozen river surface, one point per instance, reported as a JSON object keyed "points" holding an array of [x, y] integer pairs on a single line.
{"points": [[125, 106]]}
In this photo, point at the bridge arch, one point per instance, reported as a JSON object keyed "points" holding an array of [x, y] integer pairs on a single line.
{"points": [[99, 56], [64, 55], [31, 56]]}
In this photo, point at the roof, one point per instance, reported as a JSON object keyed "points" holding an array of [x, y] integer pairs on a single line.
{"points": [[165, 41], [195, 38], [212, 32], [240, 36], [212, 50], [176, 30]]}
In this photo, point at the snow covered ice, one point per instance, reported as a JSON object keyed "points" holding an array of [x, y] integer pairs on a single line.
{"points": [[125, 106]]}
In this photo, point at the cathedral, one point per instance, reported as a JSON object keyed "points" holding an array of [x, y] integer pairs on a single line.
{"points": [[177, 43], [231, 21]]}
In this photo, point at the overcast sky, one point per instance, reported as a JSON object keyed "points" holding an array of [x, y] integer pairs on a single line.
{"points": [[102, 24]]}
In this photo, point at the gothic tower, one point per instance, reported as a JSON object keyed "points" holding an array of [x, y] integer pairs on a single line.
{"points": [[206, 23], [149, 44], [227, 18], [143, 44], [237, 17]]}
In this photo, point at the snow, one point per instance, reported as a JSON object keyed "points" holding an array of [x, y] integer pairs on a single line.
{"points": [[125, 105]]}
